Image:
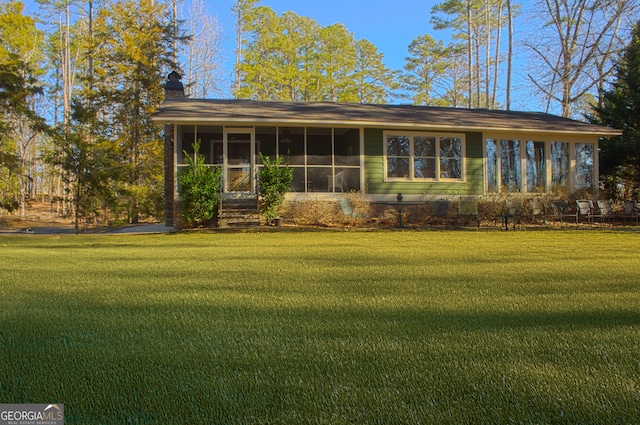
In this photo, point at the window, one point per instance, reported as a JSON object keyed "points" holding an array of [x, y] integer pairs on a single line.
{"points": [[323, 159], [536, 170], [584, 166], [538, 166], [560, 164], [210, 138], [510, 164], [492, 165], [398, 156], [424, 163], [422, 156], [450, 157], [265, 142], [291, 144], [347, 146], [319, 146]]}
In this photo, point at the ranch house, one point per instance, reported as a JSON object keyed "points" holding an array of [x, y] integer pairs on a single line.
{"points": [[379, 150]]}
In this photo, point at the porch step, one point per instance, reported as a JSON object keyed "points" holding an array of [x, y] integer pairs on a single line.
{"points": [[239, 212]]}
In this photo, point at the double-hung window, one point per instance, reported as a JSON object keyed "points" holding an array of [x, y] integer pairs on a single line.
{"points": [[417, 156]]}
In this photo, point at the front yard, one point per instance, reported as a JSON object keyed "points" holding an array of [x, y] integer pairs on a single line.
{"points": [[324, 327]]}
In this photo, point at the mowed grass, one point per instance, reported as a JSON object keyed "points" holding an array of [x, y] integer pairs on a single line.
{"points": [[324, 328]]}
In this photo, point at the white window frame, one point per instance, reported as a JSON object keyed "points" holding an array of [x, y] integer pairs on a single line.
{"points": [[547, 139], [412, 177]]}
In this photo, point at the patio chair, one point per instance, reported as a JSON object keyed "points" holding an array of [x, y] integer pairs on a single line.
{"points": [[513, 212], [468, 210], [584, 207], [348, 209], [562, 210], [339, 182], [630, 210], [440, 212], [538, 210], [605, 211]]}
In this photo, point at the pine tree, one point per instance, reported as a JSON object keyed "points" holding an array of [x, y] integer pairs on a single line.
{"points": [[338, 55], [479, 25], [132, 51], [292, 58], [423, 66], [373, 80], [20, 125], [620, 108]]}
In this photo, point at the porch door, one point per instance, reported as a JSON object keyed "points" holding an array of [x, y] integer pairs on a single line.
{"points": [[239, 161]]}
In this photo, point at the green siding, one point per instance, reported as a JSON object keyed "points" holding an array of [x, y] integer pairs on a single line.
{"points": [[374, 170]]}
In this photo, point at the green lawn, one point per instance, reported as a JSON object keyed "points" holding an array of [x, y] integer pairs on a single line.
{"points": [[324, 327]]}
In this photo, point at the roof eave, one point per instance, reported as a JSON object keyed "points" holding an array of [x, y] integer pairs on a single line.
{"points": [[169, 119]]}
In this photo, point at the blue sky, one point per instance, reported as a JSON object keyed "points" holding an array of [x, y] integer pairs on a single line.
{"points": [[389, 25]]}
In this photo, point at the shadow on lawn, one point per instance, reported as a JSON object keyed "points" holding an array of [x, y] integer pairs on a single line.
{"points": [[197, 306], [220, 360]]}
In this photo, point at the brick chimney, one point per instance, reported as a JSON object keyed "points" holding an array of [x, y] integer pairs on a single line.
{"points": [[174, 88]]}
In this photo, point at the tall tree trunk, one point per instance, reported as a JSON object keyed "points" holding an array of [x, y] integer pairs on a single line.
{"points": [[469, 54], [487, 65], [175, 30], [239, 22], [509, 55], [477, 69], [66, 70], [496, 62], [66, 81], [90, 54]]}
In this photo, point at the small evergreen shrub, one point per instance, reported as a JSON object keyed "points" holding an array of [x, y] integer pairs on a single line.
{"points": [[199, 189], [275, 180]]}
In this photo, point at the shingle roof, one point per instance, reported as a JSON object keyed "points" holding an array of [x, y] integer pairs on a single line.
{"points": [[387, 116]]}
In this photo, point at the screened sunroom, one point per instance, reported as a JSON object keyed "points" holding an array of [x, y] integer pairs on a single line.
{"points": [[323, 159]]}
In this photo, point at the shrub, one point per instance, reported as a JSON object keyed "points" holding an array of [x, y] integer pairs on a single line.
{"points": [[9, 204], [275, 180], [199, 190], [313, 212]]}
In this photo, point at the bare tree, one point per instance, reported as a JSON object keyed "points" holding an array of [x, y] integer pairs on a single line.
{"points": [[576, 47], [469, 53], [204, 53], [480, 24], [510, 14]]}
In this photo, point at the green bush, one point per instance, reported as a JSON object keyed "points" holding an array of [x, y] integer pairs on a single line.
{"points": [[9, 204], [275, 180], [199, 190]]}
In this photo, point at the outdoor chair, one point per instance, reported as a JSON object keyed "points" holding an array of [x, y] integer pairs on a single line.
{"points": [[538, 210], [605, 211], [584, 208], [513, 212], [348, 209], [440, 209], [468, 211], [562, 210], [630, 210], [339, 182]]}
